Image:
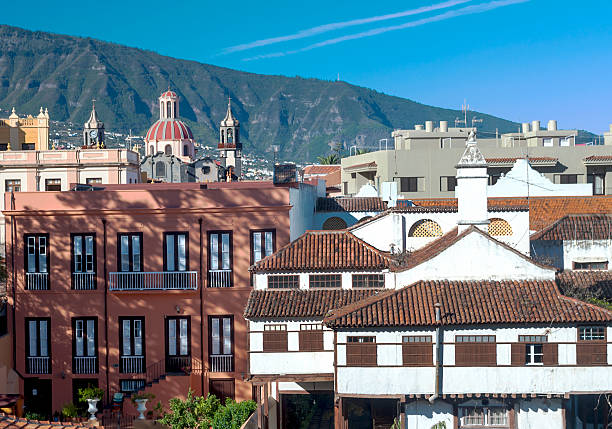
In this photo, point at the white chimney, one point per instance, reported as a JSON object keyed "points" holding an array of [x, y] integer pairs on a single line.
{"points": [[429, 126], [535, 125], [525, 127], [552, 125], [471, 189], [418, 127], [443, 126]]}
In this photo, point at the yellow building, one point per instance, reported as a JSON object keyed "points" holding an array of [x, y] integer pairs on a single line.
{"points": [[27, 133]]}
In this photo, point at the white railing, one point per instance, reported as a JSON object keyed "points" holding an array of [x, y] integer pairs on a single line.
{"points": [[132, 364], [85, 365], [161, 280], [37, 281], [38, 365], [83, 281], [221, 363], [220, 278]]}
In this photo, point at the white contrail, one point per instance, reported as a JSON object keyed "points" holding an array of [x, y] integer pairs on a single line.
{"points": [[468, 10], [338, 25]]}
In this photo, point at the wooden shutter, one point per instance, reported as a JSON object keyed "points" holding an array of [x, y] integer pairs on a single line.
{"points": [[550, 351], [311, 341], [518, 354], [275, 341], [361, 354], [591, 353], [475, 354], [417, 354]]}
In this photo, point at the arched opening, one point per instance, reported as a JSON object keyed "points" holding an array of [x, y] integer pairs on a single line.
{"points": [[425, 228], [168, 150], [230, 136], [160, 169], [499, 227], [222, 136], [334, 223], [185, 150], [151, 150], [175, 109], [168, 110]]}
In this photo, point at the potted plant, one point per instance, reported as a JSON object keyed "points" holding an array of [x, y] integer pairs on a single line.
{"points": [[140, 399], [70, 412], [91, 395]]}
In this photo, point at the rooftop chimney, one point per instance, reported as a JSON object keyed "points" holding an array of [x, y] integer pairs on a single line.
{"points": [[429, 126], [535, 125], [418, 127], [552, 125], [525, 127], [443, 126]]}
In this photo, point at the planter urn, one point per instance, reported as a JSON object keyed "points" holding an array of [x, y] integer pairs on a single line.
{"points": [[141, 407], [92, 409]]}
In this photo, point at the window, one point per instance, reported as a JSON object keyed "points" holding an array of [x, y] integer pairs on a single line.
{"points": [[185, 150], [168, 110], [230, 136], [220, 259], [598, 181], [417, 350], [222, 389], [547, 142], [476, 417], [93, 181], [83, 261], [262, 244], [565, 179], [53, 184], [130, 252], [3, 147], [37, 261], [566, 141], [151, 150], [534, 350], [160, 169], [132, 344], [284, 282], [334, 223], [325, 280], [311, 337], [12, 185], [425, 228], [178, 344], [38, 331], [176, 254], [591, 265], [131, 385], [368, 280], [220, 343], [409, 184], [84, 346], [275, 338], [475, 350], [592, 333], [499, 227], [28, 146], [361, 351], [448, 183]]}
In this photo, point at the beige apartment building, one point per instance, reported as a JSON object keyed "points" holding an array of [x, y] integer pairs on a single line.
{"points": [[422, 161]]}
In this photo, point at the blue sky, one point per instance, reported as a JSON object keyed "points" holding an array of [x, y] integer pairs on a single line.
{"points": [[518, 59]]}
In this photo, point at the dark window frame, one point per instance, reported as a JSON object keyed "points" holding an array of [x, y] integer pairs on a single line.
{"points": [[280, 281], [263, 242], [12, 184], [409, 184], [222, 337], [27, 341], [72, 259], [165, 250], [177, 337], [359, 281], [324, 281], [220, 253], [450, 185], [130, 251], [590, 265], [51, 182], [73, 324], [144, 341]]}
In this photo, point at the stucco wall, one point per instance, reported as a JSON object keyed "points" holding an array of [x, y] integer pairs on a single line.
{"points": [[540, 413]]}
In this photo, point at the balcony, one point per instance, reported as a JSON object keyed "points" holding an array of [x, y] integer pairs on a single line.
{"points": [[161, 280], [219, 278], [37, 281], [85, 365], [221, 363], [83, 281], [178, 364], [132, 364], [38, 365]]}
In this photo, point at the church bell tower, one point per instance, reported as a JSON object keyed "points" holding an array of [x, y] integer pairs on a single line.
{"points": [[230, 148], [93, 131]]}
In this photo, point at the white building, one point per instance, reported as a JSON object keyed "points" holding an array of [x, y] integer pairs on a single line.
{"points": [[450, 324]]}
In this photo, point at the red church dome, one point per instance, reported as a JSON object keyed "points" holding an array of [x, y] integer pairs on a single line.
{"points": [[169, 94], [168, 129]]}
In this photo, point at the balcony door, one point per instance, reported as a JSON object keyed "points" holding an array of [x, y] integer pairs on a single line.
{"points": [[132, 344], [220, 340], [178, 344], [83, 262], [176, 261], [129, 263], [84, 346], [38, 331], [37, 261], [220, 259]]}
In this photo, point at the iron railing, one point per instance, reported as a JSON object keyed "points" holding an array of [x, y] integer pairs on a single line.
{"points": [[161, 280], [219, 278], [176, 364], [85, 365], [38, 365], [221, 363], [83, 281], [37, 281], [132, 364]]}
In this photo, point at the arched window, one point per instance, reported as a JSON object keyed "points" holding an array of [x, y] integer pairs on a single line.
{"points": [[175, 110], [168, 110], [230, 136], [425, 228], [334, 223], [151, 150], [160, 169], [499, 227], [185, 150], [222, 136], [168, 150]]}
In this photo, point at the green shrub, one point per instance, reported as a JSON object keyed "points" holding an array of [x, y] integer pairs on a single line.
{"points": [[233, 414], [32, 415], [70, 410], [195, 412], [90, 392]]}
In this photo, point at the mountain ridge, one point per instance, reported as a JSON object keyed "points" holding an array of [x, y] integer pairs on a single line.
{"points": [[303, 116]]}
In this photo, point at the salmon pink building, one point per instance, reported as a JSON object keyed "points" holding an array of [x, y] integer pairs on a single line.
{"points": [[137, 287]]}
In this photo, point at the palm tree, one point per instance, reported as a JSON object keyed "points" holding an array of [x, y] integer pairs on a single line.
{"points": [[329, 159]]}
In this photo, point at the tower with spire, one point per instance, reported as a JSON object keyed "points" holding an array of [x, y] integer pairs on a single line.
{"points": [[230, 148], [93, 131]]}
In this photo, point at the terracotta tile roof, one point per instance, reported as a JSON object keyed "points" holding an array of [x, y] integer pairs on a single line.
{"points": [[466, 303], [532, 160], [301, 303], [366, 165], [351, 204], [578, 227], [598, 282], [13, 422], [333, 179], [317, 169], [325, 250], [598, 158]]}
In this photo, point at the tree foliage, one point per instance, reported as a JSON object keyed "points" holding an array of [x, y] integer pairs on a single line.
{"points": [[329, 159], [233, 414]]}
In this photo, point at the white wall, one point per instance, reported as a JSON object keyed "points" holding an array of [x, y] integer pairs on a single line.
{"points": [[540, 413], [261, 279], [586, 250], [303, 200], [423, 415]]}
